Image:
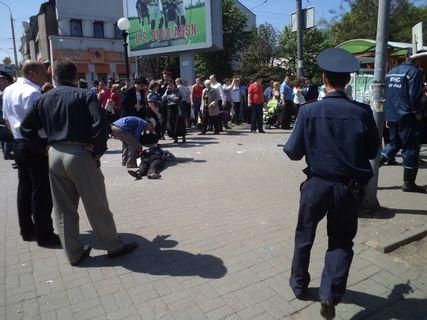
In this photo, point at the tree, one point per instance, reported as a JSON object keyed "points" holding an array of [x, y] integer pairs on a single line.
{"points": [[360, 21], [261, 51], [315, 41], [234, 39]]}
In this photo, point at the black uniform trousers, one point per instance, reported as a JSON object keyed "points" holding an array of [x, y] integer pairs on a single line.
{"points": [[34, 197], [153, 163], [405, 135], [320, 197]]}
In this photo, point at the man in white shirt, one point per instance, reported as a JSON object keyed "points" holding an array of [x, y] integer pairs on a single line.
{"points": [[218, 87], [34, 197]]}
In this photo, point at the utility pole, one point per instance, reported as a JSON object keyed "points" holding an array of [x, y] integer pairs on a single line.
{"points": [[13, 35], [378, 97], [300, 28]]}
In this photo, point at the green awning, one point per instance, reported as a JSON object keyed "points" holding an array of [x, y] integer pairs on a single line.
{"points": [[358, 46], [362, 46]]}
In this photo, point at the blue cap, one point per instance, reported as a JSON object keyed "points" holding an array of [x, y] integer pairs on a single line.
{"points": [[337, 60]]}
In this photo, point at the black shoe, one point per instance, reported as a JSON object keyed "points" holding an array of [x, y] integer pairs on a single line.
{"points": [[413, 188], [86, 251], [203, 133], [51, 242], [175, 140], [14, 165], [154, 176], [392, 163], [136, 174], [127, 248], [31, 237], [301, 294], [216, 132], [327, 309], [183, 140], [261, 131]]}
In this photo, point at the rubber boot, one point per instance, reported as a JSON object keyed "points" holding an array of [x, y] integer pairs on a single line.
{"points": [[409, 176]]}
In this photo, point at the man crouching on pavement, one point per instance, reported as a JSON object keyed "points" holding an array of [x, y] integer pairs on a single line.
{"points": [[77, 138], [129, 130]]}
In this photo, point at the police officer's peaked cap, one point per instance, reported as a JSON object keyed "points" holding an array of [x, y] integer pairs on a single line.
{"points": [[337, 60]]}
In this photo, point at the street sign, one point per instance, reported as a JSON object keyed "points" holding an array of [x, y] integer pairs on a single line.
{"points": [[308, 19], [417, 38]]}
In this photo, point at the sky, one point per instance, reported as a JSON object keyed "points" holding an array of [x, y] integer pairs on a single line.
{"points": [[276, 12]]}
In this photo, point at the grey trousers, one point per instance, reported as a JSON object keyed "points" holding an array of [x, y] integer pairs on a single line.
{"points": [[74, 174], [130, 145]]}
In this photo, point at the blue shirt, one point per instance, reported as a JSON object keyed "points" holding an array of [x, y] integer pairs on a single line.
{"points": [[133, 125], [287, 91], [337, 136], [404, 87], [268, 94]]}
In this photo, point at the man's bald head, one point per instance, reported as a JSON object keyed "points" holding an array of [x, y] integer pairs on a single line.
{"points": [[34, 71]]}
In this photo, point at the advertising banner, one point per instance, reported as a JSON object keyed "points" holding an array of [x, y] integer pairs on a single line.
{"points": [[166, 26]]}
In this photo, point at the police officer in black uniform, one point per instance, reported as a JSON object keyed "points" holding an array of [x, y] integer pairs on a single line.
{"points": [[403, 114], [337, 136]]}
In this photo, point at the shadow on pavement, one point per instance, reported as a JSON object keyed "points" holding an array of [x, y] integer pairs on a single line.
{"points": [[389, 213], [113, 151], [395, 306], [151, 257]]}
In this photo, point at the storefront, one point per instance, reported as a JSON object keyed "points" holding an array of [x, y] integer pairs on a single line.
{"points": [[95, 64]]}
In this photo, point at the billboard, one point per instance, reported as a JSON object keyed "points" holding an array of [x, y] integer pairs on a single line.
{"points": [[169, 26]]}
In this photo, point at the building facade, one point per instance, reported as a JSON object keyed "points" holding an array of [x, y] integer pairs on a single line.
{"points": [[80, 30]]}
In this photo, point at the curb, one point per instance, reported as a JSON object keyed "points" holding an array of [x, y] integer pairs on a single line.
{"points": [[408, 237]]}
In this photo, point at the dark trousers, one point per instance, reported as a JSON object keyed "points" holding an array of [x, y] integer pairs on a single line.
{"points": [[211, 120], [151, 164], [404, 135], [256, 119], [6, 141], [286, 114], [197, 105], [34, 197], [236, 116], [321, 197]]}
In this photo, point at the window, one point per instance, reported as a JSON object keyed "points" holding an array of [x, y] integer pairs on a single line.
{"points": [[98, 29], [76, 28], [117, 32]]}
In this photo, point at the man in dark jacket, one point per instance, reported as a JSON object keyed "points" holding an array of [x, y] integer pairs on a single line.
{"points": [[77, 138], [337, 136], [403, 113], [134, 101]]}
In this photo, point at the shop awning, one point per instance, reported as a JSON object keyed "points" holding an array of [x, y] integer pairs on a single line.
{"points": [[102, 68], [360, 46], [82, 67], [121, 68]]}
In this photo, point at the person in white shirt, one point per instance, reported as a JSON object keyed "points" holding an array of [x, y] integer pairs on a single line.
{"points": [[236, 100], [298, 96], [34, 197], [218, 87]]}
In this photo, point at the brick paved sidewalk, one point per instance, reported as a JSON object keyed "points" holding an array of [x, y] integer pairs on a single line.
{"points": [[215, 241]]}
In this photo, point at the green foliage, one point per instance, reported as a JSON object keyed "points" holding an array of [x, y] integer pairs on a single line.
{"points": [[315, 41], [219, 62], [261, 51], [360, 21]]}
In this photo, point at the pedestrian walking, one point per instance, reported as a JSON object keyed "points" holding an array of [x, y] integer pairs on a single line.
{"points": [[77, 137], [403, 113], [337, 136], [34, 197]]}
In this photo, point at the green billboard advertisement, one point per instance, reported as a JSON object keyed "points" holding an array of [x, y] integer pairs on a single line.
{"points": [[167, 26]]}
